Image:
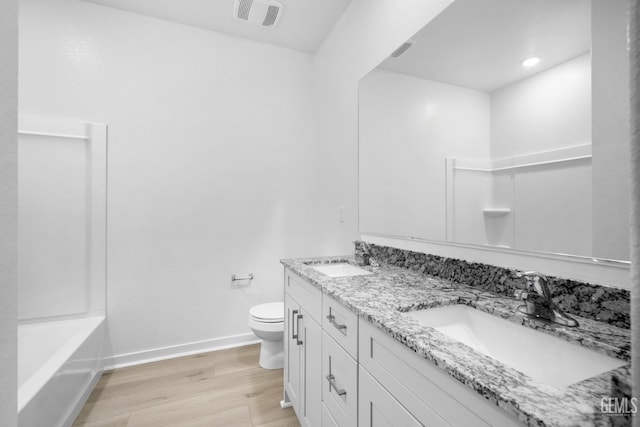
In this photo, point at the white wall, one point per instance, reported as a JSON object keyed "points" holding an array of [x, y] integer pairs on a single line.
{"points": [[611, 166], [8, 210], [408, 126], [211, 145], [367, 33], [546, 111]]}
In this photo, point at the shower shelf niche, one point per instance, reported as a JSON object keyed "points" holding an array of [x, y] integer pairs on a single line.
{"points": [[496, 212]]}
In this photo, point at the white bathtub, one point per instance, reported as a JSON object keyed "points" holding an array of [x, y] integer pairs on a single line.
{"points": [[59, 363]]}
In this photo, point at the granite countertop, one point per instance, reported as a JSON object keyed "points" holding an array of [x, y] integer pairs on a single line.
{"points": [[383, 297]]}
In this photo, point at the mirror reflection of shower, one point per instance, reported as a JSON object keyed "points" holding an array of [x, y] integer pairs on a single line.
{"points": [[502, 125]]}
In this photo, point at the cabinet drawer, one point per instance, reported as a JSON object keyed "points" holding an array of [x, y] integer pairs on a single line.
{"points": [[378, 408], [341, 323], [428, 393], [305, 294], [339, 383]]}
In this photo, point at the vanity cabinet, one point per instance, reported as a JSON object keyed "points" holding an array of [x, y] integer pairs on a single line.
{"points": [[342, 371], [429, 395], [321, 363], [303, 349]]}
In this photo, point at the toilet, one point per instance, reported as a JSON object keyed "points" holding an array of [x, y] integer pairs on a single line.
{"points": [[267, 323]]}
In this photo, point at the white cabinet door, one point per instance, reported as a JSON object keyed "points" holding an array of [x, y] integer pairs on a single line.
{"points": [[339, 383], [327, 419], [310, 334], [378, 408], [292, 352]]}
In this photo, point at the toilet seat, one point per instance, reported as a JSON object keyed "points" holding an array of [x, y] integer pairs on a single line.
{"points": [[272, 312]]}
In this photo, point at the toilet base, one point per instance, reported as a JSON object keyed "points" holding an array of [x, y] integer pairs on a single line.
{"points": [[271, 355]]}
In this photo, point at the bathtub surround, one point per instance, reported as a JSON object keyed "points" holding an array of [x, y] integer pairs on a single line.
{"points": [[634, 55], [61, 258], [62, 207], [597, 302], [8, 210]]}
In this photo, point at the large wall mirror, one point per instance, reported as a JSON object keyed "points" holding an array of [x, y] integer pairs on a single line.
{"points": [[502, 123]]}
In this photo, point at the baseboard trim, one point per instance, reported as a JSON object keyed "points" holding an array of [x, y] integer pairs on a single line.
{"points": [[180, 350]]}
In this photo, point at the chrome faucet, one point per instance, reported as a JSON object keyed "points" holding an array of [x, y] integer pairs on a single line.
{"points": [[537, 300], [365, 257]]}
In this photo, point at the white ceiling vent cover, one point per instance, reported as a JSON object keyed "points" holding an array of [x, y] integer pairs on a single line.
{"points": [[260, 12]]}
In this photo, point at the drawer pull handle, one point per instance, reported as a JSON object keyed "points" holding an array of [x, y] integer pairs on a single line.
{"points": [[332, 384], [298, 340], [338, 326], [294, 336]]}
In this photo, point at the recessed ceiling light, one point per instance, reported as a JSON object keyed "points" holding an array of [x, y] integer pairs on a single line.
{"points": [[531, 61]]}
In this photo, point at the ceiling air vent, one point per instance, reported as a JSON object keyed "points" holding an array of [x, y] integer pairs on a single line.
{"points": [[402, 49], [260, 12]]}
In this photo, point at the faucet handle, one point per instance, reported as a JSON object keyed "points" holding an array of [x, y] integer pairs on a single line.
{"points": [[536, 282], [530, 274]]}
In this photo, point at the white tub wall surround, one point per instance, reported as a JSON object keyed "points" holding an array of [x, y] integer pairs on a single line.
{"points": [[193, 117], [8, 210], [62, 264], [62, 206]]}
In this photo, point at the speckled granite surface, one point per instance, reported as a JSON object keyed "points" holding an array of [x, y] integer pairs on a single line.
{"points": [[605, 304], [383, 297]]}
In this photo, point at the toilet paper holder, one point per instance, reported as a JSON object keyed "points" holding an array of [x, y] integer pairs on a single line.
{"points": [[236, 277]]}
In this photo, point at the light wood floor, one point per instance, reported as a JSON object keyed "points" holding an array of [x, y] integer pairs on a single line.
{"points": [[221, 388]]}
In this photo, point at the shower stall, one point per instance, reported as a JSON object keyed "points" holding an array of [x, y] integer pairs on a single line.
{"points": [[62, 179]]}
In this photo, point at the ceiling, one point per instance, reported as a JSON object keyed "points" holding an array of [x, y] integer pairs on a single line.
{"points": [[481, 44], [304, 24]]}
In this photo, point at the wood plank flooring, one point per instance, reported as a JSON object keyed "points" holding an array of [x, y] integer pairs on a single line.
{"points": [[221, 388]]}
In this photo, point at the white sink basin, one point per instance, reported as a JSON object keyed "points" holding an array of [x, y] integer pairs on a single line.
{"points": [[542, 357], [340, 270]]}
